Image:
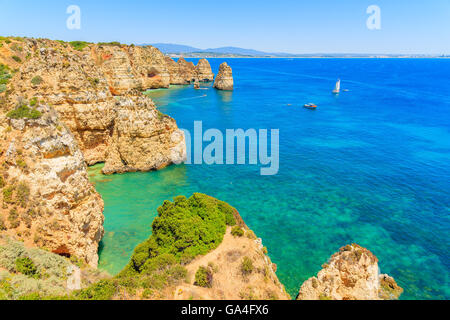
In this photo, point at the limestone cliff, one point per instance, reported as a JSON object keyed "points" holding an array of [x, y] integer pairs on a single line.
{"points": [[47, 197], [351, 274], [75, 104], [224, 79], [130, 67], [97, 94]]}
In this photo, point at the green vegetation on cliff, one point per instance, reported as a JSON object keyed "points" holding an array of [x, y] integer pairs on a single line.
{"points": [[23, 111], [184, 229], [79, 45], [5, 76]]}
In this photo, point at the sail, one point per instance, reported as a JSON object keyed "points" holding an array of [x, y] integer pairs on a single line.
{"points": [[337, 89]]}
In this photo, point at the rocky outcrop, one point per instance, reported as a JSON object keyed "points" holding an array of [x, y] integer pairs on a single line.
{"points": [[351, 274], [128, 67], [89, 108], [224, 79], [181, 72], [143, 139], [49, 200], [203, 71], [97, 93]]}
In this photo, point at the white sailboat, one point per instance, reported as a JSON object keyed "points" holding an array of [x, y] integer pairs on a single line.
{"points": [[337, 89]]}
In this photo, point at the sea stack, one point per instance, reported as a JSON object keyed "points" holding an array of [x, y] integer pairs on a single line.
{"points": [[351, 274], [224, 79], [204, 72]]}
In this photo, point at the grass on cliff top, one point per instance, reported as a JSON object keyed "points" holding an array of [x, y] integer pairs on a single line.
{"points": [[184, 229], [79, 45], [114, 44]]}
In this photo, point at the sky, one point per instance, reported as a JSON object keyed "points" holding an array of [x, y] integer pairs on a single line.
{"points": [[293, 26]]}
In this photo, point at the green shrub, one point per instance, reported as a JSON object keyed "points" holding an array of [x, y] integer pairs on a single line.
{"points": [[30, 297], [8, 194], [26, 266], [237, 231], [33, 102], [251, 235], [22, 194], [37, 80], [114, 43], [13, 218], [203, 277], [159, 263], [24, 112], [161, 115], [185, 229], [103, 290], [94, 81], [17, 59], [16, 47], [2, 224], [323, 297], [5, 76], [246, 266], [79, 45]]}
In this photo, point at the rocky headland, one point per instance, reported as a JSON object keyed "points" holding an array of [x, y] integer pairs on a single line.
{"points": [[350, 274]]}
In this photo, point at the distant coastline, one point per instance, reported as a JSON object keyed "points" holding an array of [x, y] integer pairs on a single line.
{"points": [[305, 57], [176, 51]]}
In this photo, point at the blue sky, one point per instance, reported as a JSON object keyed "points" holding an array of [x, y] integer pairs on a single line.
{"points": [[296, 26]]}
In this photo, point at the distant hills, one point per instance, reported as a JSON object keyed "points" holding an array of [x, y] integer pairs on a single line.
{"points": [[177, 49], [235, 52]]}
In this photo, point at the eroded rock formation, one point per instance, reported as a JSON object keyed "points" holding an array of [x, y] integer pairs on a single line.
{"points": [[351, 274], [98, 95], [49, 200], [90, 109], [224, 79]]}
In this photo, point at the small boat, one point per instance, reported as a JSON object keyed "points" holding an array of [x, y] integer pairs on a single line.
{"points": [[337, 89], [311, 106]]}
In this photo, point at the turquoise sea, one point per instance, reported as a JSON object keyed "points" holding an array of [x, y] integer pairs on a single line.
{"points": [[370, 166]]}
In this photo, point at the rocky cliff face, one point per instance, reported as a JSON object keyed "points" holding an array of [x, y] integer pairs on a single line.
{"points": [[224, 79], [143, 139], [128, 67], [76, 105], [47, 197], [97, 93], [351, 274]]}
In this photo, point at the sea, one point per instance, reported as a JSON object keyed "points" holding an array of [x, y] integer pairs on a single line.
{"points": [[370, 166]]}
